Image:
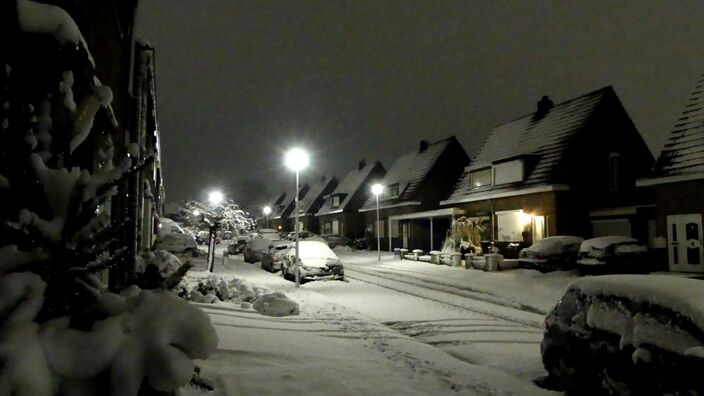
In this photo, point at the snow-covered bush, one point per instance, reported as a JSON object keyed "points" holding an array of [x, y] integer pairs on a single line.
{"points": [[61, 330], [275, 304]]}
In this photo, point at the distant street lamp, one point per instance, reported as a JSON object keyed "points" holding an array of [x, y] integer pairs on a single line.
{"points": [[215, 198], [296, 159], [267, 211], [377, 189]]}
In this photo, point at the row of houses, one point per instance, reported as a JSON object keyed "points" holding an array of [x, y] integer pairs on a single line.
{"points": [[579, 167]]}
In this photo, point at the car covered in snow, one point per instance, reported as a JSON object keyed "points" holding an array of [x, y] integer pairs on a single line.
{"points": [[627, 334], [202, 237], [176, 243], [612, 254], [256, 248], [269, 233], [317, 262], [334, 240], [237, 246], [301, 235], [273, 259], [551, 253]]}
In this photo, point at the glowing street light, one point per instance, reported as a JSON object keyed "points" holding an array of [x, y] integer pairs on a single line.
{"points": [[296, 159], [377, 189], [267, 211], [215, 197]]}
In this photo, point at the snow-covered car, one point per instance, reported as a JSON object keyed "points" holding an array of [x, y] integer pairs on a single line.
{"points": [[269, 233], [273, 259], [334, 241], [237, 246], [627, 334], [256, 248], [612, 254], [317, 262], [176, 243], [168, 226], [202, 237], [551, 253], [301, 235]]}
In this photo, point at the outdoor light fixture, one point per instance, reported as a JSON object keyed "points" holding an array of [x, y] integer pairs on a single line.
{"points": [[196, 213], [296, 159], [377, 189], [267, 211], [215, 197]]}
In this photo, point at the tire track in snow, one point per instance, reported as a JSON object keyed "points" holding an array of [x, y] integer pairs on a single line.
{"points": [[487, 308]]}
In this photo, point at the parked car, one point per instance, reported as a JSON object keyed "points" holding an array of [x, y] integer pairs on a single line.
{"points": [[202, 237], [176, 243], [273, 259], [334, 241], [551, 253], [168, 226], [256, 248], [627, 334], [301, 235], [612, 254], [317, 262], [269, 233], [237, 246]]}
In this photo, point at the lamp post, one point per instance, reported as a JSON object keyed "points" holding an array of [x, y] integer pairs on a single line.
{"points": [[377, 189], [296, 159], [215, 198], [266, 211]]}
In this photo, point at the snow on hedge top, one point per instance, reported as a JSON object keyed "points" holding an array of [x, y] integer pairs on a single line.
{"points": [[41, 18], [623, 244], [681, 295], [556, 245]]}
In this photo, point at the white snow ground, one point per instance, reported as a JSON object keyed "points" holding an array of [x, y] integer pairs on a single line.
{"points": [[386, 337]]}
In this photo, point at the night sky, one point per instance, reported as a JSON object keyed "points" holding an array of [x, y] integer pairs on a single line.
{"points": [[239, 82]]}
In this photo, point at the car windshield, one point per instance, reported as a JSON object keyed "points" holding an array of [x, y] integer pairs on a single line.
{"points": [[315, 249]]}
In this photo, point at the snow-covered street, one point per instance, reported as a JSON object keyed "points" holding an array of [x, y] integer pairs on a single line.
{"points": [[393, 328]]}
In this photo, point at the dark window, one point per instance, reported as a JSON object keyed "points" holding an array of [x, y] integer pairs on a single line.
{"points": [[693, 255], [674, 233], [335, 201], [392, 190], [675, 257], [614, 171], [692, 231], [480, 178]]}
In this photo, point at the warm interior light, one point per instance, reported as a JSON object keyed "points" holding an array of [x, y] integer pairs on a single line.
{"points": [[526, 218]]}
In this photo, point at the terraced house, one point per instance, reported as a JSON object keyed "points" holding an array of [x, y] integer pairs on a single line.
{"points": [[565, 169]]}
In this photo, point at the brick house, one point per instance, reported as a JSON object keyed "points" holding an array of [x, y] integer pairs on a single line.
{"points": [[409, 212], [565, 169], [677, 182], [340, 211]]}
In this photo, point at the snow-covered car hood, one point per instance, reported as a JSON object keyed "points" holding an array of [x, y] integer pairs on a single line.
{"points": [[315, 262], [552, 246]]}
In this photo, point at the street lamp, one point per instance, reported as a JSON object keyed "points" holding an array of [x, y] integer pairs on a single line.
{"points": [[377, 189], [215, 198], [267, 211], [296, 159]]}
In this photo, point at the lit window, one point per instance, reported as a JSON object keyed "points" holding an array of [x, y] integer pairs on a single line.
{"points": [[480, 178], [335, 201]]}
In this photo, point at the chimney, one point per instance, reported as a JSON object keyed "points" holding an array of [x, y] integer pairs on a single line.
{"points": [[423, 146], [362, 164], [544, 106]]}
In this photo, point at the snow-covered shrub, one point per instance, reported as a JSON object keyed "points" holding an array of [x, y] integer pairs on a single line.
{"points": [[275, 304], [61, 331]]}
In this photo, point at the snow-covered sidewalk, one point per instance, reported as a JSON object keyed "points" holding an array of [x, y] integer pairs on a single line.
{"points": [[330, 349]]}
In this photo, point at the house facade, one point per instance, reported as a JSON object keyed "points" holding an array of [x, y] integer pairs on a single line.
{"points": [[311, 203], [409, 212], [677, 182], [340, 211], [565, 169]]}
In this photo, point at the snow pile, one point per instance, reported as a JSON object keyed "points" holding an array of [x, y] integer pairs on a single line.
{"points": [[597, 247], [175, 243], [275, 304], [212, 288], [160, 261]]}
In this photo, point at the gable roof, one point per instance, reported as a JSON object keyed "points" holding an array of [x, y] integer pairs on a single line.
{"points": [[410, 169], [543, 137], [684, 151], [350, 184], [318, 187], [286, 200]]}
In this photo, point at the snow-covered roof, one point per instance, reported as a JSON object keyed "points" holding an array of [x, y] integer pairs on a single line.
{"points": [[410, 170], [684, 151], [543, 137], [681, 295], [318, 187], [282, 208], [350, 184]]}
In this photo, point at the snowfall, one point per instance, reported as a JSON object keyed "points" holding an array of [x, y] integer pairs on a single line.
{"points": [[393, 327]]}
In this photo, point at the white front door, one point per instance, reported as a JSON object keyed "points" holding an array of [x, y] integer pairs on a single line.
{"points": [[685, 248]]}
